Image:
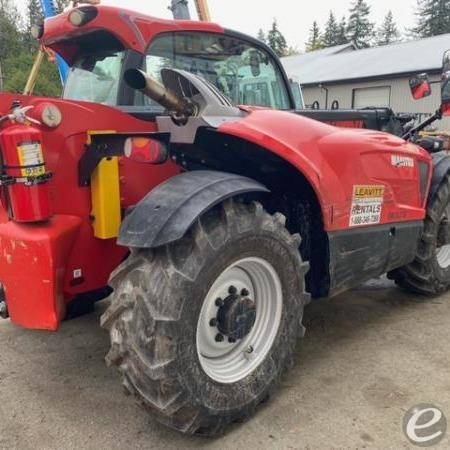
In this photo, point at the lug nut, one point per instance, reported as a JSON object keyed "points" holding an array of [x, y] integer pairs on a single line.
{"points": [[219, 337], [219, 302], [232, 290], [231, 340], [213, 322], [249, 354], [245, 293]]}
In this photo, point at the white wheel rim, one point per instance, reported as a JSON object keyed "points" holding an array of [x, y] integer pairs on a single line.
{"points": [[443, 256], [443, 252], [227, 362]]}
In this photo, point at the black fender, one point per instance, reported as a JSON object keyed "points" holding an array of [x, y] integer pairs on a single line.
{"points": [[167, 212], [441, 163]]}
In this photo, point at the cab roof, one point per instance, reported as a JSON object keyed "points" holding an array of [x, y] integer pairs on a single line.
{"points": [[111, 26]]}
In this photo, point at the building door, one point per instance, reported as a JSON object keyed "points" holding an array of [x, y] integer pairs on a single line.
{"points": [[378, 97]]}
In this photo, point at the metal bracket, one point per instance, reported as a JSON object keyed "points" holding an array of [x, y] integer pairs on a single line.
{"points": [[6, 180], [108, 146]]}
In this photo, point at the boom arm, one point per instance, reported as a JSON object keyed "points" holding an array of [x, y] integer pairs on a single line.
{"points": [[203, 11]]}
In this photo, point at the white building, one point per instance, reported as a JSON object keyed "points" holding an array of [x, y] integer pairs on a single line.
{"points": [[345, 77]]}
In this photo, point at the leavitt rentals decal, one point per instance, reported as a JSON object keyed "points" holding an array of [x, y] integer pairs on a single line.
{"points": [[367, 205]]}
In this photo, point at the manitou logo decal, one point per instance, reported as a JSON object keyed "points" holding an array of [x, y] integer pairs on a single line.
{"points": [[367, 205], [402, 161]]}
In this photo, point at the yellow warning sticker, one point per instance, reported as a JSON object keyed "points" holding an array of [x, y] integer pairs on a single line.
{"points": [[367, 205], [31, 159]]}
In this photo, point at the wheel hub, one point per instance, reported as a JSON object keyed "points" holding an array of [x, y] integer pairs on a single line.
{"points": [[239, 319], [236, 317]]}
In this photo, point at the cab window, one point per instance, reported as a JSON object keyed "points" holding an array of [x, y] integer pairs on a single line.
{"points": [[244, 73]]}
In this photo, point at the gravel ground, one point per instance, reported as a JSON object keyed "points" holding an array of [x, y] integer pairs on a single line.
{"points": [[369, 355]]}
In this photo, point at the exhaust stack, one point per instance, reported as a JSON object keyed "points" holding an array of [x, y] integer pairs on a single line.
{"points": [[139, 80]]}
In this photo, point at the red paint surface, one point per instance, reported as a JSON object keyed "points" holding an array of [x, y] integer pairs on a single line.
{"points": [[348, 124], [33, 267], [96, 258], [134, 30], [334, 160]]}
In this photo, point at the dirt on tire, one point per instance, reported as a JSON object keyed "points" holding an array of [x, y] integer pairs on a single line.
{"points": [[155, 307]]}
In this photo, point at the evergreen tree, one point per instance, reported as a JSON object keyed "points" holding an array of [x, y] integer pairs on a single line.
{"points": [[433, 18], [388, 32], [331, 33], [61, 4], [10, 37], [34, 12], [16, 58], [342, 32], [276, 40], [360, 28], [315, 40], [35, 16], [291, 51], [262, 36]]}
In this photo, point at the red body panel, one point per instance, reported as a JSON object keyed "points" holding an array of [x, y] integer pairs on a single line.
{"points": [[335, 160], [95, 258], [33, 267]]}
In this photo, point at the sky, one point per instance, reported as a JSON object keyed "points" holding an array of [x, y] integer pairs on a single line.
{"points": [[294, 16]]}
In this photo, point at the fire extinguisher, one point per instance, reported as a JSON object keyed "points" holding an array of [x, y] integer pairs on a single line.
{"points": [[23, 173]]}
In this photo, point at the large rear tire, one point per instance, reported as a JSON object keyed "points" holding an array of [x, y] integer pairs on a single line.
{"points": [[429, 273], [203, 329]]}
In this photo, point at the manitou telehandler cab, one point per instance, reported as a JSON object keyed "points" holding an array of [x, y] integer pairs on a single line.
{"points": [[210, 222]]}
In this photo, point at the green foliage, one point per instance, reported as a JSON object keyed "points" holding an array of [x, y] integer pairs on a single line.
{"points": [[34, 17], [388, 32], [262, 36], [276, 41], [291, 51], [360, 28], [16, 71], [330, 36], [18, 51], [61, 4], [315, 40], [433, 18], [341, 38]]}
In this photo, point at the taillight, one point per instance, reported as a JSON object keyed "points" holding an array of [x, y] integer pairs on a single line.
{"points": [[145, 150]]}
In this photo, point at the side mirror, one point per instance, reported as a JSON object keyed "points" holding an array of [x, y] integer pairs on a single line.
{"points": [[446, 84], [420, 86]]}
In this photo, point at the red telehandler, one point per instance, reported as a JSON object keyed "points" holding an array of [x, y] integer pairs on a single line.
{"points": [[210, 225]]}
